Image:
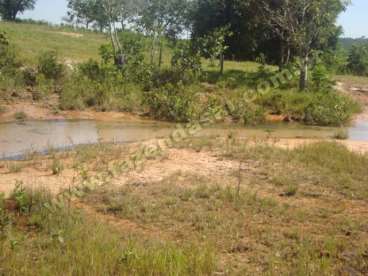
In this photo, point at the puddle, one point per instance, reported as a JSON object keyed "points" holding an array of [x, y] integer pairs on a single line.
{"points": [[17, 139]]}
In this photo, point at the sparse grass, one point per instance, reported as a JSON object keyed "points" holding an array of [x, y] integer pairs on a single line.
{"points": [[65, 242], [297, 212]]}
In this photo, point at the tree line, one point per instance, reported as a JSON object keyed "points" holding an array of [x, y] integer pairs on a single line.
{"points": [[273, 31]]}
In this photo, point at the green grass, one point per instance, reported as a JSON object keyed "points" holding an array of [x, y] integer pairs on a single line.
{"points": [[31, 40], [35, 241]]}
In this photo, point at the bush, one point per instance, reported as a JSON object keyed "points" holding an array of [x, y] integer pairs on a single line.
{"points": [[320, 108], [320, 78], [253, 114], [330, 109], [29, 76], [186, 61], [173, 103], [48, 66]]}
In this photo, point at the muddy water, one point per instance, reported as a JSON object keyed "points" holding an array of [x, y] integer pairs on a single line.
{"points": [[17, 139]]}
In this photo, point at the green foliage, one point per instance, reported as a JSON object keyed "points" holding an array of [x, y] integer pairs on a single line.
{"points": [[8, 62], [241, 107], [9, 9], [186, 61], [214, 44], [49, 66], [30, 76], [65, 242], [358, 60], [330, 109], [321, 79], [320, 108], [173, 103], [22, 198]]}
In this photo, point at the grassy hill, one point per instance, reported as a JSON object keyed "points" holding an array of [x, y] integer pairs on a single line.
{"points": [[31, 40]]}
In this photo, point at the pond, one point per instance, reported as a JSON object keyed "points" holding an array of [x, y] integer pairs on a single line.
{"points": [[17, 139]]}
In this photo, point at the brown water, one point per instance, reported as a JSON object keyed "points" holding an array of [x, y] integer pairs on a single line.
{"points": [[17, 139]]}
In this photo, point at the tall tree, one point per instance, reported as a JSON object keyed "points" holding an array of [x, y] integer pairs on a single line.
{"points": [[9, 9], [162, 18], [306, 25]]}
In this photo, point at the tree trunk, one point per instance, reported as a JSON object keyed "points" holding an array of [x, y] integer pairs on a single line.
{"points": [[288, 55], [303, 82], [222, 58], [160, 55]]}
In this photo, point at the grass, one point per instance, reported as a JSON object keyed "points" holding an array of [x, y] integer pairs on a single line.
{"points": [[31, 40], [67, 243]]}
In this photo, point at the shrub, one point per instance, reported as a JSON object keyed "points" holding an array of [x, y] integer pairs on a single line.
{"points": [[20, 116], [173, 103], [241, 108], [56, 166], [321, 108], [48, 65], [253, 114], [330, 109], [186, 61], [30, 76], [321, 78]]}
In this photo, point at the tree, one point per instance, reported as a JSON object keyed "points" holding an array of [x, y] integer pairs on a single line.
{"points": [[9, 9], [87, 12], [306, 25], [162, 18], [358, 60], [214, 45]]}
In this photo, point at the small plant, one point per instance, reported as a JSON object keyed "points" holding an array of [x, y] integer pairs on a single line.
{"points": [[341, 134], [56, 166], [21, 197], [290, 190], [20, 116], [48, 66]]}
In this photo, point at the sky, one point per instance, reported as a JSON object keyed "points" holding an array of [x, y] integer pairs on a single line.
{"points": [[354, 20]]}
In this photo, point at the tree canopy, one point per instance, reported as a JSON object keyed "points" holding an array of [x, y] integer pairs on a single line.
{"points": [[9, 9]]}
